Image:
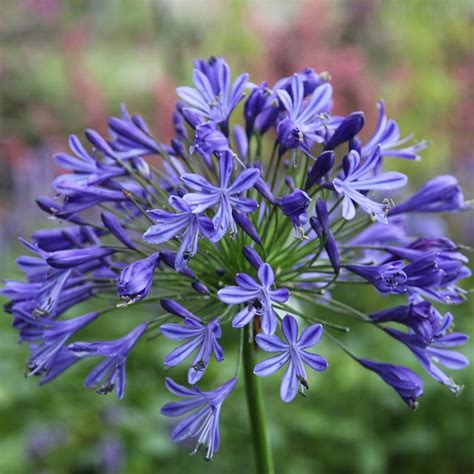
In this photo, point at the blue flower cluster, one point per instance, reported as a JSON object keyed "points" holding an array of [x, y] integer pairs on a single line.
{"points": [[226, 235]]}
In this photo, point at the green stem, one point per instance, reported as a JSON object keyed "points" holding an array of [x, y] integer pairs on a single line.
{"points": [[261, 438]]}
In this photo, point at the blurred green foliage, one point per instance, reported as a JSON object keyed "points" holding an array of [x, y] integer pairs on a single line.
{"points": [[135, 52]]}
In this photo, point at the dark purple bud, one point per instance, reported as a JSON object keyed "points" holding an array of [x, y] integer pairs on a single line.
{"points": [[321, 167], [294, 206], [175, 308], [254, 105], [136, 279], [200, 287], [406, 382], [252, 257], [246, 225], [114, 226], [267, 118], [355, 144], [333, 252], [322, 214], [179, 123], [178, 148], [262, 187], [99, 142], [75, 257], [349, 127]]}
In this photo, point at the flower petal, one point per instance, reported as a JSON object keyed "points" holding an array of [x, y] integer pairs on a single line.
{"points": [[270, 366]]}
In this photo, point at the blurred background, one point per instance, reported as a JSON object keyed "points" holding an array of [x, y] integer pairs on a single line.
{"points": [[66, 65]]}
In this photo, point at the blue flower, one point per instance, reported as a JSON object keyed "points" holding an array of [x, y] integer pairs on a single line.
{"points": [[433, 346], [203, 409], [295, 206], [258, 296], [110, 373], [387, 278], [347, 130], [387, 136], [293, 353], [323, 164], [135, 280], [304, 125], [226, 196], [214, 97], [209, 140], [52, 336], [320, 224], [200, 338], [406, 382], [71, 258], [187, 221], [441, 194], [359, 178]]}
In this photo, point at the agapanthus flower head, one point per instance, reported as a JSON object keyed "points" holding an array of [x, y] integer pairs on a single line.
{"points": [[234, 235]]}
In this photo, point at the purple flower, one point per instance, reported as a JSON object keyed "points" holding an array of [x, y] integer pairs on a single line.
{"points": [[252, 257], [346, 131], [209, 140], [71, 258], [295, 207], [359, 178], [213, 97], [130, 136], [416, 316], [260, 109], [434, 347], [258, 296], [136, 279], [226, 196], [387, 136], [440, 194], [203, 409], [54, 335], [387, 278], [117, 230], [406, 382], [187, 221], [200, 338], [323, 164], [320, 224], [304, 126], [110, 373], [292, 352]]}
